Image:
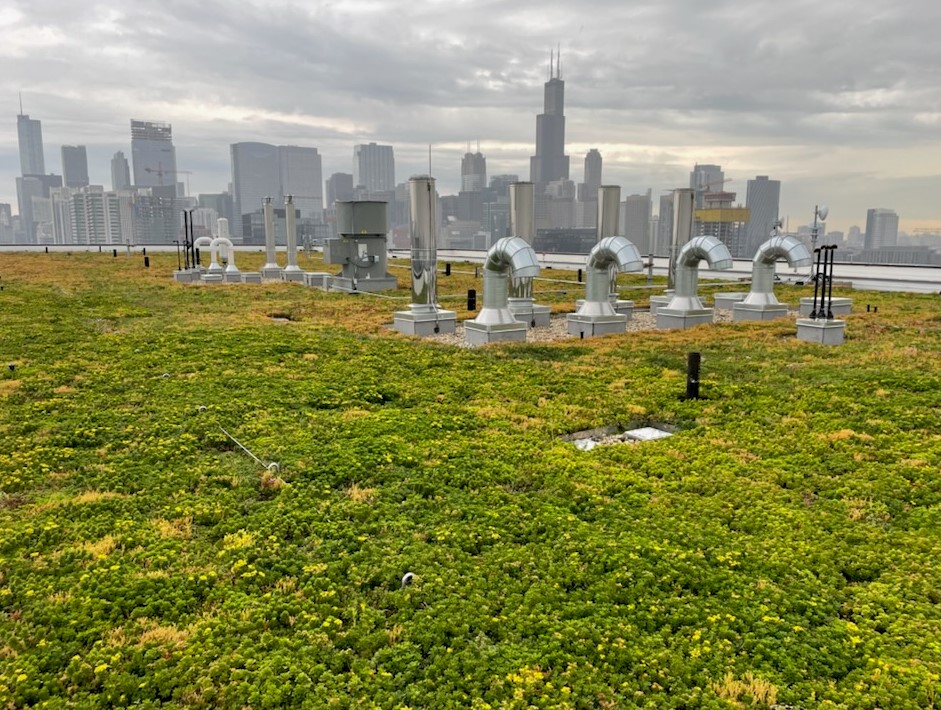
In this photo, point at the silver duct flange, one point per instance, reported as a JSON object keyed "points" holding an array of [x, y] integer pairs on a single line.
{"points": [[824, 332]]}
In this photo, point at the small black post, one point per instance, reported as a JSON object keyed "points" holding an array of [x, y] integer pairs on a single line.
{"points": [[99, 248], [471, 299], [692, 375], [475, 272], [47, 250], [114, 253], [179, 266], [145, 251], [579, 276], [832, 250], [447, 268], [875, 309], [146, 262], [198, 262], [186, 237], [813, 313], [867, 308]]}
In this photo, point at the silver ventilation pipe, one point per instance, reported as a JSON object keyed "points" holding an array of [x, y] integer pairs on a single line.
{"points": [[271, 268], [609, 211], [424, 316], [292, 272], [510, 255], [424, 227], [610, 254], [496, 322], [522, 225], [785, 247], [708, 249], [684, 201]]}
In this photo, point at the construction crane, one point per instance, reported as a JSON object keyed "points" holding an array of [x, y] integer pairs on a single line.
{"points": [[161, 171]]}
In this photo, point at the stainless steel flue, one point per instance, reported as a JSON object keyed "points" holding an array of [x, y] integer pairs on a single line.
{"points": [[683, 214], [786, 247], [609, 211], [523, 226], [703, 248], [271, 268], [496, 322], [424, 237], [290, 225]]}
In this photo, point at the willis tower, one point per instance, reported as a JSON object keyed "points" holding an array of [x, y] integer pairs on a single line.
{"points": [[550, 162]]}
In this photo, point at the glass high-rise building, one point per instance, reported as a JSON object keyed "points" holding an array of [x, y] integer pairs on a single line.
{"points": [[256, 174], [374, 167], [550, 163], [74, 166], [152, 154], [302, 177], [29, 133], [120, 172]]}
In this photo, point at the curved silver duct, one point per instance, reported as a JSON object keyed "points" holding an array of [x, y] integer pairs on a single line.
{"points": [[786, 247], [509, 256], [223, 246], [611, 254], [424, 226], [702, 248]]}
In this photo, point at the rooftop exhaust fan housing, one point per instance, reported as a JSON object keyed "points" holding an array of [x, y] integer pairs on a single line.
{"points": [[360, 247]]}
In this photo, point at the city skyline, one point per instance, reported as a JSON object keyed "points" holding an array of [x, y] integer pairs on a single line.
{"points": [[841, 108]]}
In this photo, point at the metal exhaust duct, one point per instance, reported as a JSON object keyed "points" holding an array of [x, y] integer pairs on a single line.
{"points": [[424, 316], [609, 211], [423, 201], [522, 225], [496, 322], [292, 272], [685, 309], [611, 253], [761, 303], [684, 201], [271, 269], [224, 245]]}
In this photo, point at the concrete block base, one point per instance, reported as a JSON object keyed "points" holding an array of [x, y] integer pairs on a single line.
{"points": [[591, 326], [271, 272], [725, 301], [482, 333], [743, 311], [341, 283], [212, 278], [424, 323], [291, 275], [669, 319], [232, 277], [187, 275], [624, 308], [824, 332], [533, 315], [658, 302], [318, 279], [251, 277], [839, 306]]}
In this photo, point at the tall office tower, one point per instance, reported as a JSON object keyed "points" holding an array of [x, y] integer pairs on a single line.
{"points": [[762, 199], [664, 226], [550, 163], [256, 174], [302, 177], [473, 172], [152, 154], [705, 179], [29, 132], [882, 228], [635, 224], [221, 203], [6, 223], [120, 172], [30, 191], [339, 189], [374, 167], [587, 207], [74, 166]]}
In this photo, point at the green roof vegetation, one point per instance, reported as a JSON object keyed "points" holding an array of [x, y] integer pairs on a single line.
{"points": [[779, 550]]}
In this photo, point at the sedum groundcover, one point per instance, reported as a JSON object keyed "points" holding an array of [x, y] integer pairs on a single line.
{"points": [[780, 550]]}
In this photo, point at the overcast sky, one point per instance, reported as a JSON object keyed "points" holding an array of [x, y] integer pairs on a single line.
{"points": [[839, 99]]}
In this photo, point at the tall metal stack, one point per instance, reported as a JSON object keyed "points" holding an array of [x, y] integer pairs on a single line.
{"points": [[523, 226], [609, 217], [424, 316], [270, 270], [292, 272]]}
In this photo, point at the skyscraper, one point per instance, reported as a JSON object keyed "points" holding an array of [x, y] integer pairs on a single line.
{"points": [[705, 179], [256, 174], [74, 166], [302, 177], [762, 199], [29, 133], [153, 154], [120, 172], [374, 167], [636, 222], [882, 228], [473, 172], [550, 162], [339, 188], [587, 207]]}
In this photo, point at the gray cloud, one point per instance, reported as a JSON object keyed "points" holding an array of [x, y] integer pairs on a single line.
{"points": [[841, 100]]}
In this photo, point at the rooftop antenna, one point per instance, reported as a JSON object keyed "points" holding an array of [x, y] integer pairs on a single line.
{"points": [[478, 144], [21, 103], [429, 158], [558, 62], [551, 62]]}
